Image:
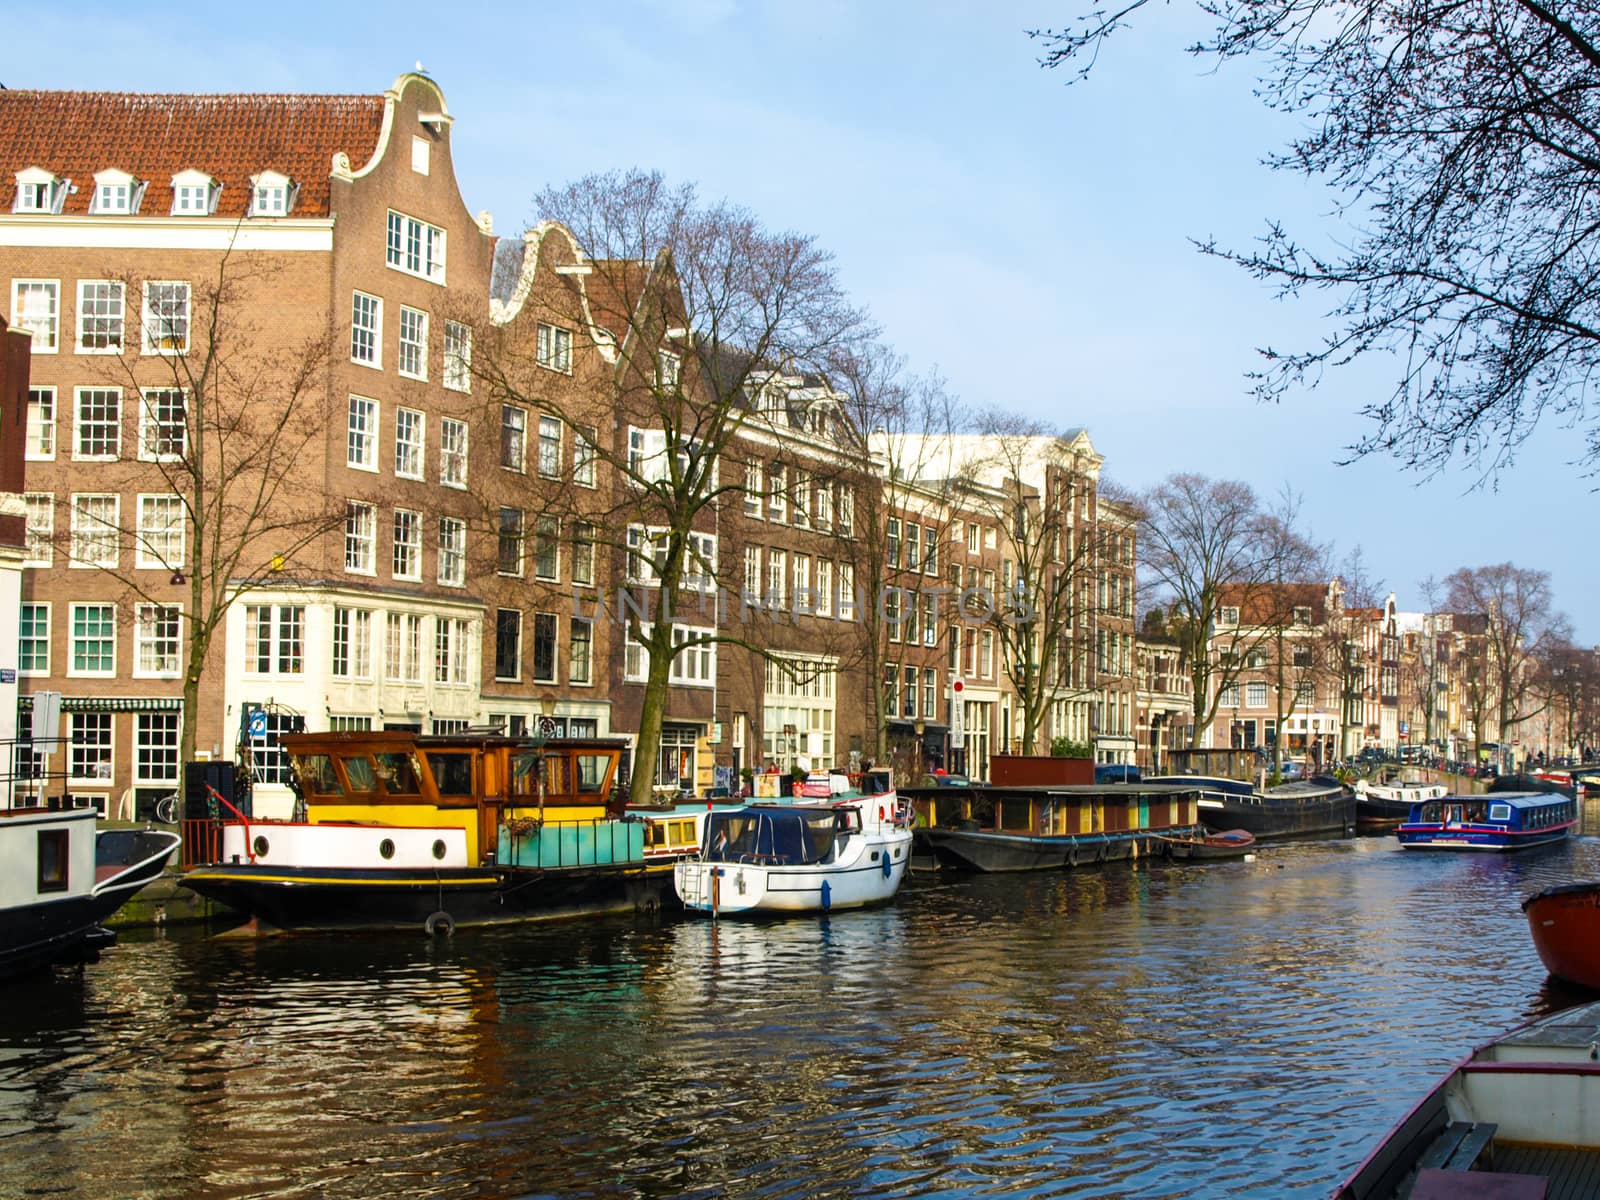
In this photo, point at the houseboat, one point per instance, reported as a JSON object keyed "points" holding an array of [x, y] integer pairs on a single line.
{"points": [[406, 831], [1519, 1117], [1381, 807], [1506, 821], [1312, 808], [1565, 924], [830, 847], [1041, 827], [61, 876]]}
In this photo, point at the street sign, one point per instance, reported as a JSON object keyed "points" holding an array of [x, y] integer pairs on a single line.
{"points": [[958, 717], [257, 726]]}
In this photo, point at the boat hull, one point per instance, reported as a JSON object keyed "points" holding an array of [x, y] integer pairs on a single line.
{"points": [[1485, 839], [311, 899], [1565, 925], [992, 851], [1235, 843], [1266, 815], [872, 875]]}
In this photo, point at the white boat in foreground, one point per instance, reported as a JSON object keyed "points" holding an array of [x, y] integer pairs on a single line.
{"points": [[1520, 1117], [829, 848]]}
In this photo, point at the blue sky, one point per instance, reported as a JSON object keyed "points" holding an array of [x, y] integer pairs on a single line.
{"points": [[1028, 240]]}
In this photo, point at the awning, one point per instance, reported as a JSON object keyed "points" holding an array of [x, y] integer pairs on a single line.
{"points": [[110, 704]]}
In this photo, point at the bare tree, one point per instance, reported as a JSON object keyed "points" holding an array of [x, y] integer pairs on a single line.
{"points": [[1516, 602], [697, 312], [1460, 138], [1287, 607], [230, 417]]}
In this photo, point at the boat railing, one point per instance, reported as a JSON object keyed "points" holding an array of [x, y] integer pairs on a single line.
{"points": [[550, 845]]}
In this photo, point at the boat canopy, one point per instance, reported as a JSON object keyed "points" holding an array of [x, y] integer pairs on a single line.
{"points": [[773, 835]]}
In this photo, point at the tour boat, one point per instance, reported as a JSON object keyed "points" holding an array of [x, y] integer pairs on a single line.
{"points": [[1048, 827], [1506, 821], [1311, 808], [830, 847], [61, 876], [1565, 924], [1235, 843], [1519, 1118], [1380, 807], [407, 831]]}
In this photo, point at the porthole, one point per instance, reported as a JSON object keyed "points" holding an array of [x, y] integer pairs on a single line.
{"points": [[386, 848], [874, 856], [261, 847], [438, 848]]}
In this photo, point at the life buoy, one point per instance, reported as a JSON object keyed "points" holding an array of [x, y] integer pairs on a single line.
{"points": [[440, 924]]}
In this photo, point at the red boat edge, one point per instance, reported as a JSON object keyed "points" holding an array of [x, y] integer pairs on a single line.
{"points": [[1565, 924]]}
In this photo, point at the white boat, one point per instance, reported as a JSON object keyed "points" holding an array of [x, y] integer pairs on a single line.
{"points": [[1382, 806], [828, 848], [1520, 1117], [60, 876]]}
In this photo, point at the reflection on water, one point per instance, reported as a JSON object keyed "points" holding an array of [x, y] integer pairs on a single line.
{"points": [[1170, 1030]]}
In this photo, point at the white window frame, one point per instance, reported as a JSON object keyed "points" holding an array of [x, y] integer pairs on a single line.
{"points": [[414, 247], [366, 329], [405, 561], [100, 422], [154, 541], [453, 441], [157, 650], [696, 667], [553, 347], [90, 531], [39, 546], [351, 643], [271, 194], [157, 739], [421, 152], [547, 539], [551, 621], [647, 454], [38, 191], [585, 456], [410, 441], [452, 557], [361, 434], [160, 328], [41, 435], [585, 660], [518, 533], [103, 301], [46, 326], [189, 187], [513, 438], [116, 193], [547, 459], [457, 356], [157, 427], [360, 538], [285, 640], [583, 554], [1255, 694], [100, 753], [412, 354], [73, 641], [669, 369], [37, 636]]}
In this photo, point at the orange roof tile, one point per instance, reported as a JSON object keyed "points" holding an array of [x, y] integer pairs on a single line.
{"points": [[154, 137]]}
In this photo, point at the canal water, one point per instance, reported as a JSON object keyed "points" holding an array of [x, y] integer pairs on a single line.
{"points": [[1159, 1030]]}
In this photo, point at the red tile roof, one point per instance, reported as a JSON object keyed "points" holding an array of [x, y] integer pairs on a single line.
{"points": [[154, 137]]}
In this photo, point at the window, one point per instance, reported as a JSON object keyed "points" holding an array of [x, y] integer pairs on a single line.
{"points": [[553, 348], [90, 754], [544, 647], [798, 711], [100, 315], [669, 370], [402, 647], [274, 639], [361, 446], [166, 318], [94, 639], [451, 639], [908, 692], [452, 452], [892, 558], [513, 437], [824, 588], [692, 665], [160, 533], [580, 651], [805, 600], [642, 552], [583, 553], [115, 192], [360, 538], [452, 551], [415, 247], [1305, 694], [930, 551], [155, 640], [194, 194], [268, 762], [777, 577], [352, 643], [752, 490], [913, 546], [41, 535], [847, 591], [1228, 697], [35, 306], [94, 530], [547, 548], [407, 558], [457, 356], [413, 357], [775, 492], [420, 153], [33, 644], [41, 439], [366, 329], [507, 643], [800, 508], [1229, 615], [156, 740], [549, 447], [1302, 656], [163, 428], [99, 424], [38, 191], [509, 559], [647, 454], [408, 440], [1302, 615], [583, 456], [1255, 694], [270, 195]]}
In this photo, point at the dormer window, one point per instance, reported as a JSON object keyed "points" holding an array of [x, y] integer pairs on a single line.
{"points": [[38, 191], [116, 193], [271, 195], [194, 194], [1230, 615]]}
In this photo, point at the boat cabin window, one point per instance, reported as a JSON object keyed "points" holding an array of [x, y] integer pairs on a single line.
{"points": [[359, 772], [451, 772], [53, 859], [676, 833], [1016, 812], [399, 774], [525, 773], [847, 820], [1500, 812], [592, 773], [557, 778], [875, 783], [317, 775], [780, 837]]}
